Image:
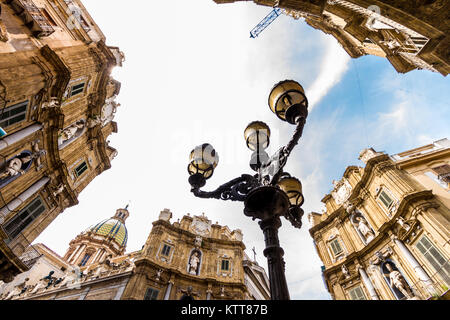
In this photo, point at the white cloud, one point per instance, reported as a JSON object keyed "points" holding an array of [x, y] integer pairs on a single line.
{"points": [[333, 66]]}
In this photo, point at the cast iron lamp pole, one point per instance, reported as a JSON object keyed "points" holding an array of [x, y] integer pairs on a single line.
{"points": [[271, 192]]}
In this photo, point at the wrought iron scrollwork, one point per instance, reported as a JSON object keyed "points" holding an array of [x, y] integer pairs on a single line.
{"points": [[234, 190]]}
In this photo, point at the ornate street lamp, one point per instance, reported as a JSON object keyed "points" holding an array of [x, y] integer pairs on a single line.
{"points": [[271, 192]]}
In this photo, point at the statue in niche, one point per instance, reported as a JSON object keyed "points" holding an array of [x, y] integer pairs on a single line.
{"points": [[69, 132], [15, 165], [194, 262], [360, 222], [403, 224], [51, 103], [345, 271], [398, 281], [364, 228]]}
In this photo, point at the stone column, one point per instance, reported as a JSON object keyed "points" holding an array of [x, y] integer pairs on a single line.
{"points": [[368, 283], [423, 276], [24, 196], [168, 291], [73, 253], [78, 254], [19, 135]]}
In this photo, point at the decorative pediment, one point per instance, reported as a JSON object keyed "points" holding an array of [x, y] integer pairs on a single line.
{"points": [[342, 191], [201, 225], [368, 154]]}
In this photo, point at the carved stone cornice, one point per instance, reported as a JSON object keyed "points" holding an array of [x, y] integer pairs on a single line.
{"points": [[63, 72], [191, 236]]}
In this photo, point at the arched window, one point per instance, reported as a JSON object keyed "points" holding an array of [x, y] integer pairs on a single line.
{"points": [[85, 260]]}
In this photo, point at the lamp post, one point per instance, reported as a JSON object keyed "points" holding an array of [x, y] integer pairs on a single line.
{"points": [[271, 192]]}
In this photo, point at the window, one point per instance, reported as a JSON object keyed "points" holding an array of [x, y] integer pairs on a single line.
{"points": [[24, 218], [336, 247], [85, 259], [225, 265], [80, 169], [385, 199], [13, 114], [151, 294], [443, 173], [165, 250], [77, 89], [48, 17], [434, 257], [357, 294]]}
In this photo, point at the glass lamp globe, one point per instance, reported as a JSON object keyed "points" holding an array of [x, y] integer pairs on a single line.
{"points": [[288, 101], [293, 188]]}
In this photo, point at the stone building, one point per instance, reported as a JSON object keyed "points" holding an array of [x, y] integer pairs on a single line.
{"points": [[411, 34], [57, 102], [385, 232], [189, 259]]}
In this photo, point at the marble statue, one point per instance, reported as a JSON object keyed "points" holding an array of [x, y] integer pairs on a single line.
{"points": [[43, 283], [194, 263], [403, 223], [399, 282], [14, 167], [345, 271], [52, 103], [364, 228], [70, 131], [17, 290]]}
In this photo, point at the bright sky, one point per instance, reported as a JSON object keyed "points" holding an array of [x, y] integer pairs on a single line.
{"points": [[193, 75]]}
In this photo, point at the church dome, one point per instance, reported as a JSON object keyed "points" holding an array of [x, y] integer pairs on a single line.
{"points": [[112, 229]]}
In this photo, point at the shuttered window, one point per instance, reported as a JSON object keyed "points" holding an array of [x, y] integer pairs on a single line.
{"points": [[385, 199], [336, 247], [13, 114], [151, 294], [80, 169], [225, 265], [77, 89], [434, 257], [166, 250], [357, 294], [24, 218]]}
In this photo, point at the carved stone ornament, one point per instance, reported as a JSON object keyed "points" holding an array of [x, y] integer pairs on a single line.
{"points": [[368, 154], [198, 241], [342, 191], [381, 256], [201, 225]]}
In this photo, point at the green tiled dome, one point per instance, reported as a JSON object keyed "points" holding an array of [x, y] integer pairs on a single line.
{"points": [[112, 229]]}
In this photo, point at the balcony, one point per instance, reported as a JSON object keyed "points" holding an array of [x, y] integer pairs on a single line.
{"points": [[32, 17]]}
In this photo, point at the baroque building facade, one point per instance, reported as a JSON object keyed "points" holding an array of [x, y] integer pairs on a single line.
{"points": [[191, 259], [385, 232], [57, 102], [411, 34]]}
